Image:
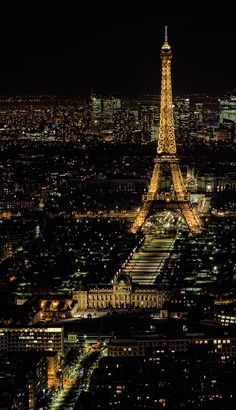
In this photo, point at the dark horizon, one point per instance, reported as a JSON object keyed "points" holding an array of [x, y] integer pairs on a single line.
{"points": [[61, 50]]}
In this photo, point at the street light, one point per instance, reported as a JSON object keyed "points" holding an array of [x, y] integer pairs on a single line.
{"points": [[60, 376]]}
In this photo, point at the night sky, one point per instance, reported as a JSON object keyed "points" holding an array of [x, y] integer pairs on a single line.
{"points": [[68, 49]]}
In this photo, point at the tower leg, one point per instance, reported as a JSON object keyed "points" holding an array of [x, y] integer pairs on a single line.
{"points": [[191, 217], [155, 184], [178, 181], [154, 187], [141, 217]]}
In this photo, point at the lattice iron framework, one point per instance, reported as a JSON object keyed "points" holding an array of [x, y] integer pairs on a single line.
{"points": [[167, 158]]}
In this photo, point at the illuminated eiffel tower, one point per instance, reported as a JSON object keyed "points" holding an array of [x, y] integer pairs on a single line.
{"points": [[167, 159]]}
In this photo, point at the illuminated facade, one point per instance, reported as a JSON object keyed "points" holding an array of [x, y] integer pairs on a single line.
{"points": [[56, 308], [32, 338], [140, 346], [167, 158], [121, 295], [227, 109], [96, 107], [226, 319], [110, 106]]}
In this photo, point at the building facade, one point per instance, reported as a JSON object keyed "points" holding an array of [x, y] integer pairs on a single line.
{"points": [[140, 346], [120, 295], [227, 109], [49, 339]]}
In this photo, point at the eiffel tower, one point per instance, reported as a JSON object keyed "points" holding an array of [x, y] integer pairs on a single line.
{"points": [[166, 158]]}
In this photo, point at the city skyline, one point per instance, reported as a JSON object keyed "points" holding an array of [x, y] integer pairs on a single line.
{"points": [[62, 50], [117, 212]]}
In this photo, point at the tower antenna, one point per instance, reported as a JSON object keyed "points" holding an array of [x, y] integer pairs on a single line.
{"points": [[166, 35]]}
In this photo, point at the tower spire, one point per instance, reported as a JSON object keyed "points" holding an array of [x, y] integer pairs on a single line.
{"points": [[166, 34]]}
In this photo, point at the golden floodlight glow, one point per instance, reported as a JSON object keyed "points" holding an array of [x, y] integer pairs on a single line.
{"points": [[166, 157]]}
